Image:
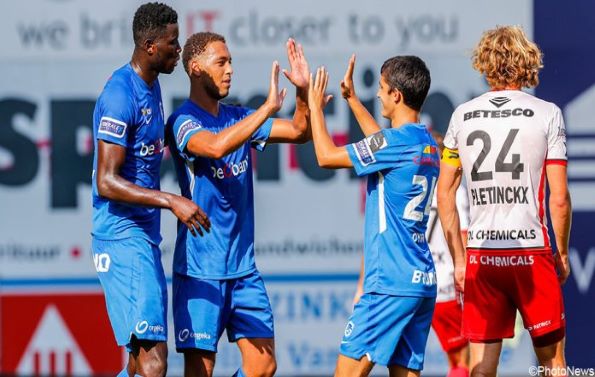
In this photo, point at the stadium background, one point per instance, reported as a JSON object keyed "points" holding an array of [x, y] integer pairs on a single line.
{"points": [[56, 57]]}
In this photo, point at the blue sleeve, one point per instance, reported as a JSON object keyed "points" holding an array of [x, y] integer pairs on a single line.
{"points": [[183, 129], [375, 153], [116, 117], [259, 138]]}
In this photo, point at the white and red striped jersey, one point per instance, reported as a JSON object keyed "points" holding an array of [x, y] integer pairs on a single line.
{"points": [[504, 140]]}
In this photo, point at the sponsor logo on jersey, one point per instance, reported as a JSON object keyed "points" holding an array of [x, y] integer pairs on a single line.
{"points": [[376, 142], [425, 278], [539, 325], [151, 149], [142, 327], [364, 153], [501, 235], [499, 101], [112, 127], [186, 128], [147, 114], [498, 113], [232, 170], [499, 195], [185, 334]]}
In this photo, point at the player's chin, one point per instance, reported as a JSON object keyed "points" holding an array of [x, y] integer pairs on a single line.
{"points": [[168, 69], [224, 92]]}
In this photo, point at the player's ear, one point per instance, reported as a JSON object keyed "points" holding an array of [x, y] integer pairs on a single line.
{"points": [[397, 96], [194, 68], [150, 46]]}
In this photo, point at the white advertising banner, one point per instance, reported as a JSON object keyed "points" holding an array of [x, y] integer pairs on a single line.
{"points": [[56, 58]]}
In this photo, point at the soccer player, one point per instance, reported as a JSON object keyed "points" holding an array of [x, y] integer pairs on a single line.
{"points": [[390, 323], [508, 143], [128, 129], [447, 319], [216, 284]]}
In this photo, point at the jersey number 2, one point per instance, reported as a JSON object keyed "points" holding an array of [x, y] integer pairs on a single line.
{"points": [[411, 213], [516, 167]]}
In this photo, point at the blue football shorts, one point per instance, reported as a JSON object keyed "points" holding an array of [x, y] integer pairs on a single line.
{"points": [[389, 330], [204, 308], [133, 281]]}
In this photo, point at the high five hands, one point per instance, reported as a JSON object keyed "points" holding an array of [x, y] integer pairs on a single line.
{"points": [[317, 97]]}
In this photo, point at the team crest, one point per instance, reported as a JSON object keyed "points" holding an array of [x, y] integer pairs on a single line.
{"points": [[147, 114], [349, 328]]}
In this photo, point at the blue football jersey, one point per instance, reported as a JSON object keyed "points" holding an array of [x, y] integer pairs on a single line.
{"points": [[129, 113], [223, 188], [402, 166]]}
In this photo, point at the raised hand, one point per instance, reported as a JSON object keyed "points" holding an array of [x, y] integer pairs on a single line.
{"points": [[347, 88], [190, 214], [317, 99], [275, 97], [299, 73]]}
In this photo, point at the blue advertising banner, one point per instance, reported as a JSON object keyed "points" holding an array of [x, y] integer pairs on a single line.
{"points": [[566, 34]]}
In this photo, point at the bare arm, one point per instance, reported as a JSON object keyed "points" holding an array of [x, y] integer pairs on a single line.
{"points": [[110, 185], [448, 182], [327, 153], [366, 121], [359, 290], [561, 215], [216, 145]]}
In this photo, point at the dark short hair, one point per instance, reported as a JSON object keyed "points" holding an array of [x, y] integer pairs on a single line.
{"points": [[196, 45], [410, 76], [151, 20]]}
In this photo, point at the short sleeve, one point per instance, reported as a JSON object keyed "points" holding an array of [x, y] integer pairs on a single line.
{"points": [[556, 138], [184, 127], [259, 138], [374, 153], [450, 138], [116, 117]]}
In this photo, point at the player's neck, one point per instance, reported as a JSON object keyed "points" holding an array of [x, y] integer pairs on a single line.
{"points": [[201, 98], [404, 116], [142, 69], [504, 87]]}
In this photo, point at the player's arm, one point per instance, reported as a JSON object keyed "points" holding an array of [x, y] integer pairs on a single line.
{"points": [[359, 290], [111, 185], [216, 145], [561, 215], [296, 130], [327, 153], [366, 121], [448, 183]]}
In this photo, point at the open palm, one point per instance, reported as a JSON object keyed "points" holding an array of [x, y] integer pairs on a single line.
{"points": [[299, 73]]}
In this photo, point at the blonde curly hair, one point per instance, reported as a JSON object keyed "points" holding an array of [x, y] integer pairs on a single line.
{"points": [[508, 58]]}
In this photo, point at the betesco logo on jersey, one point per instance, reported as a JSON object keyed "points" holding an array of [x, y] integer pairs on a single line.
{"points": [[232, 170], [151, 149], [498, 113]]}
